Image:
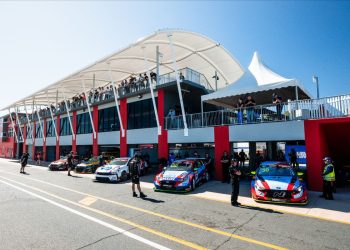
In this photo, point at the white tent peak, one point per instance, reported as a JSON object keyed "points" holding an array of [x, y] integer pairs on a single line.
{"points": [[262, 73]]}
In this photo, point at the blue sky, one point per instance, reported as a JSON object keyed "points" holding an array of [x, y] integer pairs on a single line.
{"points": [[42, 42]]}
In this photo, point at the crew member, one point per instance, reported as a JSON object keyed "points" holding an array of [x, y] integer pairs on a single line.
{"points": [[209, 165], [70, 162], [328, 179], [134, 170], [235, 173], [24, 161], [225, 163]]}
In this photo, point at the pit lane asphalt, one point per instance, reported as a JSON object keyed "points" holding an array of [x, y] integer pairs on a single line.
{"points": [[185, 218]]}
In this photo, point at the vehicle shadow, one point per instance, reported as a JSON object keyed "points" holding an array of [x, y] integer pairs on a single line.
{"points": [[260, 209], [75, 176], [152, 200]]}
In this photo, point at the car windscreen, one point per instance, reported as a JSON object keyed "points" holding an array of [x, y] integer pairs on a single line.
{"points": [[275, 170], [180, 166], [118, 162]]}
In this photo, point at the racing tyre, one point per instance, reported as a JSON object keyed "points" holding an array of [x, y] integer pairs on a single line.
{"points": [[193, 185], [123, 176]]}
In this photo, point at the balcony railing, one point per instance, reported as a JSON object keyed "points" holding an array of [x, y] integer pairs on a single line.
{"points": [[329, 107]]}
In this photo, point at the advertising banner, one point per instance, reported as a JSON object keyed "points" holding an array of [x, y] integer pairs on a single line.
{"points": [[301, 153]]}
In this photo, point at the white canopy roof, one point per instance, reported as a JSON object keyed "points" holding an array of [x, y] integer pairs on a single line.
{"points": [[258, 78], [192, 50]]}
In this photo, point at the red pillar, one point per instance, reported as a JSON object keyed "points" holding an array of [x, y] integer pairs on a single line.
{"points": [[33, 140], [74, 139], [163, 147], [95, 139], [58, 127], [222, 143], [124, 115], [44, 141], [24, 138], [316, 149]]}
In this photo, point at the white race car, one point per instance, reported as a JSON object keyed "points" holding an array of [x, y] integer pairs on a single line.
{"points": [[115, 170]]}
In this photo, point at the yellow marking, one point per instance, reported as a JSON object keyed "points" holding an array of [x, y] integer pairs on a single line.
{"points": [[147, 229], [87, 201], [180, 221]]}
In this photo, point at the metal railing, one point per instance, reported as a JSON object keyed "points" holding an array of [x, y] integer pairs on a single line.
{"points": [[328, 107]]}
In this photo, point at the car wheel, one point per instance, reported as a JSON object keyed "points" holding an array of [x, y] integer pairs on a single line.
{"points": [[193, 185], [123, 176]]}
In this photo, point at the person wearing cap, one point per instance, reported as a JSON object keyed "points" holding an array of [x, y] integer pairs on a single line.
{"points": [[328, 176], [235, 173], [70, 162], [134, 170], [24, 161]]}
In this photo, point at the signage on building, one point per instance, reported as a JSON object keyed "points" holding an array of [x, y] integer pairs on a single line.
{"points": [[301, 153]]}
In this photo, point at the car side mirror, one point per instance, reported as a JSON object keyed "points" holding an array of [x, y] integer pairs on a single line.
{"points": [[253, 172], [300, 174]]}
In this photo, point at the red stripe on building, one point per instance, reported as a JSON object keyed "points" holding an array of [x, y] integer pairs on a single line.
{"points": [[44, 141], [58, 128], [163, 148], [33, 140], [222, 144], [95, 138], [74, 124], [124, 115]]}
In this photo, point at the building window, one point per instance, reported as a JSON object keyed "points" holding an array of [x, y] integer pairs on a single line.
{"points": [[65, 127], [50, 129], [108, 120], [10, 132], [29, 131], [38, 133], [141, 115], [84, 124]]}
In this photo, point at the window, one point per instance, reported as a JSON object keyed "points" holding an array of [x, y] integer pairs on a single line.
{"points": [[108, 120], [65, 127], [10, 132], [141, 114], [50, 129], [29, 131], [84, 124], [38, 133]]}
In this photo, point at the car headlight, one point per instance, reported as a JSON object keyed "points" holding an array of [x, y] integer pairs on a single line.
{"points": [[261, 188], [185, 181], [298, 189]]}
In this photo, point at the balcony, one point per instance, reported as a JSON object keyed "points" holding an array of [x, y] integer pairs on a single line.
{"points": [[330, 107]]}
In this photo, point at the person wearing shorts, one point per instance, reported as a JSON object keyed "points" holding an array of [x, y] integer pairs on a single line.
{"points": [[134, 170]]}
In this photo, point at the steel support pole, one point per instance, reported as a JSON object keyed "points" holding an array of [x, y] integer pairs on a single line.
{"points": [[19, 124], [152, 93], [116, 97], [52, 118], [41, 126], [67, 110], [157, 59], [178, 84], [29, 125], [13, 126], [88, 106]]}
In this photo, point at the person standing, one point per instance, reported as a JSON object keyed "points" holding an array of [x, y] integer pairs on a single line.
{"points": [[240, 107], [242, 158], [235, 173], [134, 170], [38, 158], [225, 163], [70, 162], [293, 158], [328, 179], [209, 166], [250, 103], [277, 100], [24, 161]]}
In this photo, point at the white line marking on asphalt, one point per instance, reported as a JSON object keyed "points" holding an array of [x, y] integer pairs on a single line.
{"points": [[110, 226]]}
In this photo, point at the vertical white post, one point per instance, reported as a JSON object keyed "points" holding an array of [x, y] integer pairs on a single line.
{"points": [[13, 126], [52, 119], [30, 126], [116, 97], [88, 106], [40, 124], [70, 121], [19, 124], [152, 93], [178, 84]]}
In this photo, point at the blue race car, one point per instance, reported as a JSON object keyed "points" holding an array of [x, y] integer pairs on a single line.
{"points": [[182, 176], [277, 182]]}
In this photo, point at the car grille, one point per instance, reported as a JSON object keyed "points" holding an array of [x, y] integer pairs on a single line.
{"points": [[105, 174], [102, 179], [167, 184], [279, 194]]}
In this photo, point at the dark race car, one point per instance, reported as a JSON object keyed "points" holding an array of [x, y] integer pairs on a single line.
{"points": [[277, 182], [87, 167], [181, 176], [62, 163]]}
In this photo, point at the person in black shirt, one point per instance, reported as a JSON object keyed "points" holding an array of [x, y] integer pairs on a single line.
{"points": [[70, 162], [242, 158], [134, 170], [225, 163], [240, 107], [24, 161], [235, 173], [278, 101], [250, 103], [209, 165]]}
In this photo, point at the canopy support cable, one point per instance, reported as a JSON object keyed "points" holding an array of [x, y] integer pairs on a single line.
{"points": [[19, 124], [40, 124], [88, 106], [29, 125], [52, 118], [13, 126], [70, 121]]}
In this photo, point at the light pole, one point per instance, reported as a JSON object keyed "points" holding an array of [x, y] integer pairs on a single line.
{"points": [[315, 80]]}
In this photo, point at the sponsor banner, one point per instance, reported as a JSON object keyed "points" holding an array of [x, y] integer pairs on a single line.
{"points": [[301, 153]]}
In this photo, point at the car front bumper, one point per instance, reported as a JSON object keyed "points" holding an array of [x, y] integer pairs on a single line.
{"points": [[106, 178]]}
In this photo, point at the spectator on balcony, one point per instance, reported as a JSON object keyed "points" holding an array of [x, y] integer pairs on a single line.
{"points": [[250, 103], [171, 117], [277, 100], [153, 76], [145, 77], [181, 76], [239, 106], [196, 155]]}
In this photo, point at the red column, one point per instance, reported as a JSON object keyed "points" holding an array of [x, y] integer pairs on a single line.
{"points": [[222, 143], [58, 128], [316, 149], [74, 124], [95, 139], [163, 147], [24, 138], [33, 140], [124, 116], [44, 141], [14, 142]]}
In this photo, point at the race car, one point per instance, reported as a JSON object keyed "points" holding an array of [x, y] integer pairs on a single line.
{"points": [[62, 163], [88, 167], [182, 176], [277, 182], [116, 170]]}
